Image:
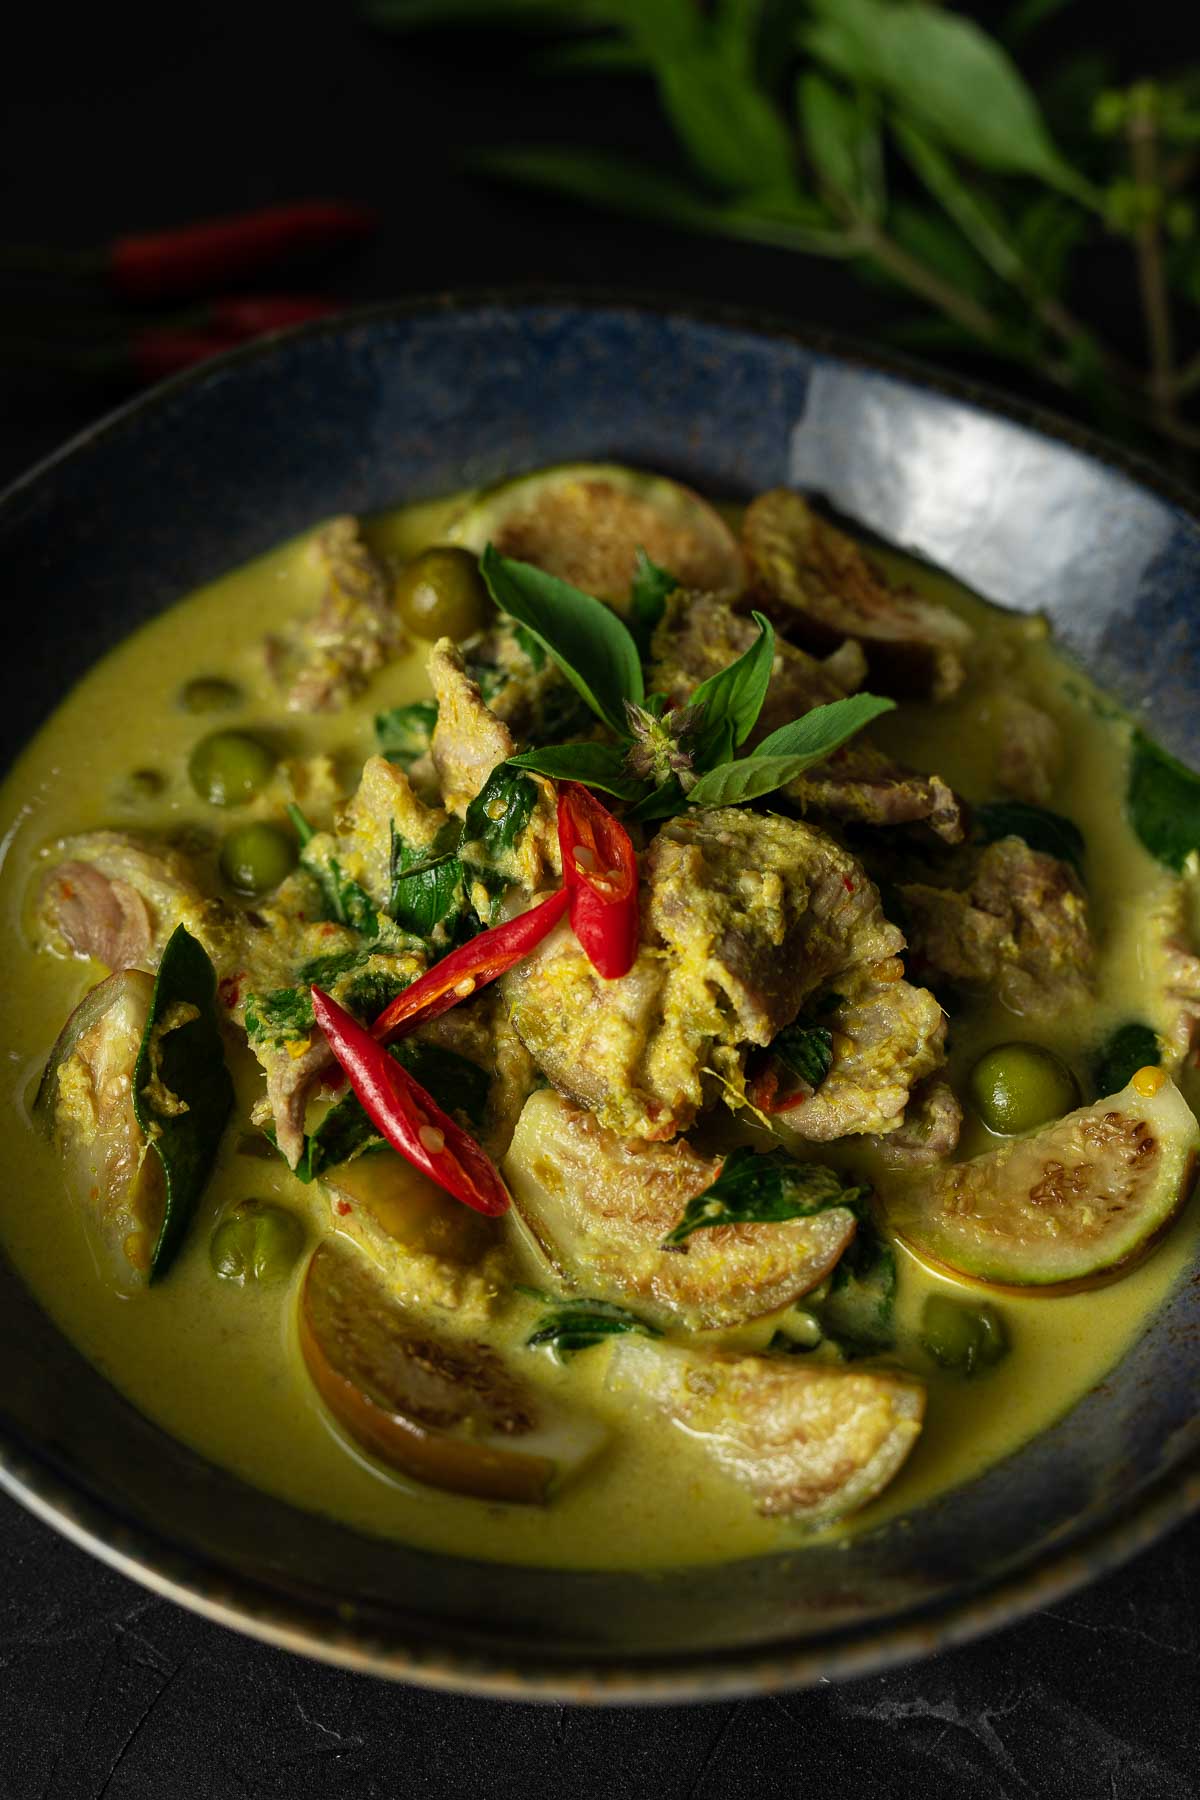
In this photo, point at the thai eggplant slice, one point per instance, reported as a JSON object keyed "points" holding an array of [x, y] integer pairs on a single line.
{"points": [[1073, 1204], [445, 1410], [599, 1207], [809, 1441], [585, 522], [85, 1103]]}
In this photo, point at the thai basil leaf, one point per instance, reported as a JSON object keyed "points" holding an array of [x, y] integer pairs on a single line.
{"points": [[405, 732], [459, 1086], [1163, 799], [573, 1325], [944, 72], [1048, 832], [425, 889], [732, 700], [642, 191], [844, 143], [345, 901], [589, 643], [770, 1188], [182, 1093], [786, 753], [647, 598], [368, 992], [1129, 1048], [595, 765], [499, 812], [323, 971], [283, 1016], [807, 1050]]}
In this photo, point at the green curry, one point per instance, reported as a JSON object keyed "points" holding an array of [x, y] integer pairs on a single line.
{"points": [[872, 1159]]}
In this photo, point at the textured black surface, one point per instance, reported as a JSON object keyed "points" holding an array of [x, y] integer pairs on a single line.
{"points": [[106, 1691]]}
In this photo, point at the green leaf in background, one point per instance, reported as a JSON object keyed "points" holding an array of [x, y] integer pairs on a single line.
{"points": [[844, 144], [599, 766], [732, 700], [589, 643], [643, 192], [1163, 801], [1050, 832], [788, 752], [1130, 1048], [756, 1188], [647, 598], [182, 1092], [946, 74]]}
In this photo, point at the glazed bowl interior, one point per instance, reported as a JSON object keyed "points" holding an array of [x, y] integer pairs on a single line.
{"points": [[402, 404]]}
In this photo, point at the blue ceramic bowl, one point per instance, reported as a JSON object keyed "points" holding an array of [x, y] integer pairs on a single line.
{"points": [[401, 403]]}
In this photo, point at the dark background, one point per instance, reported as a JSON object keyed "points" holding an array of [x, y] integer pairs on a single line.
{"points": [[107, 1691]]}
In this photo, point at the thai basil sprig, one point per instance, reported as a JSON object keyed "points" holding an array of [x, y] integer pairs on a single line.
{"points": [[663, 759]]}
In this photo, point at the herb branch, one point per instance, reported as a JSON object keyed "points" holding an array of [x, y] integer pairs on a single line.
{"points": [[905, 139]]}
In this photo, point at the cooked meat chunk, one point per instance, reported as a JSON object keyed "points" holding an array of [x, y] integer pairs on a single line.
{"points": [[700, 634], [356, 631], [807, 1440], [118, 900], [930, 1131], [821, 588], [469, 741], [1174, 967], [1031, 750], [599, 1207], [743, 916], [1017, 926], [384, 806], [290, 1084], [887, 1036], [866, 787]]}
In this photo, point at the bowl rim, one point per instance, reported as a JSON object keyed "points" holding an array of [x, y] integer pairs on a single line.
{"points": [[178, 1573]]}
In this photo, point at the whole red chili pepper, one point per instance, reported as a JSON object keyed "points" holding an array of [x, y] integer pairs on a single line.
{"points": [[192, 259], [409, 1118], [469, 968], [601, 874]]}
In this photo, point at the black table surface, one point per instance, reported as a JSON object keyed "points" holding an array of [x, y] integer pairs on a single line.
{"points": [[105, 1690]]}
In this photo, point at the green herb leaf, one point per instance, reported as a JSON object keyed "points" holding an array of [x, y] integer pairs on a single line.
{"points": [[786, 753], [282, 1016], [425, 890], [1129, 1048], [1043, 830], [857, 1312], [732, 700], [844, 144], [950, 77], [589, 643], [599, 766], [182, 1093], [732, 133], [647, 599], [1164, 803], [405, 732], [754, 1189], [499, 813], [807, 1050], [575, 1325]]}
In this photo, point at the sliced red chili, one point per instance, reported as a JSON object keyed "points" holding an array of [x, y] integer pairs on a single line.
{"points": [[192, 259], [601, 875], [409, 1118], [469, 968]]}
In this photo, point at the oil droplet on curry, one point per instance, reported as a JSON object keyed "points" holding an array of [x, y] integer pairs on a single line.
{"points": [[873, 1160]]}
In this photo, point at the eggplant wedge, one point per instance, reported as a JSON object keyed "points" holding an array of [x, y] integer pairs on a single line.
{"points": [[599, 1207], [443, 1410], [1071, 1206], [809, 1441]]}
